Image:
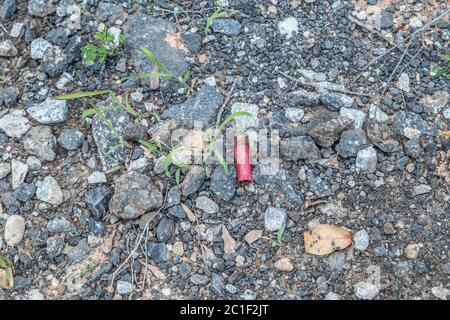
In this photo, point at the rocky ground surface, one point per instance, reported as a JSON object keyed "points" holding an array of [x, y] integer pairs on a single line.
{"points": [[364, 133]]}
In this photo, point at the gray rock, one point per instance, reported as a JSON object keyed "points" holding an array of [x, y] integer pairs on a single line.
{"points": [[401, 269], [335, 100], [17, 30], [9, 96], [199, 279], [305, 98], [336, 261], [40, 142], [165, 230], [71, 139], [55, 246], [217, 284], [124, 287], [361, 240], [60, 225], [274, 218], [403, 82], [176, 212], [413, 148], [14, 125], [161, 132], [135, 194], [201, 109], [351, 142], [387, 19], [40, 8], [422, 189], [54, 62], [7, 49], [382, 136], [150, 33], [299, 148], [109, 147], [8, 10], [193, 180], [223, 184], [325, 129], [206, 204], [19, 171], [294, 114], [97, 200], [48, 190], [410, 124], [356, 116], [77, 253], [14, 230], [38, 48], [25, 192], [184, 269], [109, 11], [173, 197], [5, 169], [58, 37], [366, 290], [228, 27], [49, 112], [158, 252], [318, 184], [380, 251], [97, 177]]}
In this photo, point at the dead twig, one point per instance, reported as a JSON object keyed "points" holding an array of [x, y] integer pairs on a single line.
{"points": [[225, 102], [138, 242]]}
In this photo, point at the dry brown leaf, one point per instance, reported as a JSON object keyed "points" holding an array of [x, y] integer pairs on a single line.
{"points": [[228, 242], [326, 238], [191, 216], [6, 279], [309, 205], [157, 272], [253, 236]]}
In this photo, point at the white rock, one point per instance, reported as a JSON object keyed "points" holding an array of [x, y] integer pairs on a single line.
{"points": [[332, 296], [288, 26], [422, 188], [415, 22], [366, 290], [38, 48], [34, 163], [243, 123], [19, 171], [35, 294], [97, 177], [357, 116], [48, 190], [124, 287], [361, 240], [49, 112], [5, 169], [17, 30], [7, 49], [210, 81], [446, 113], [294, 114], [14, 125], [274, 218], [377, 114], [14, 230], [367, 160], [440, 292], [403, 82]]}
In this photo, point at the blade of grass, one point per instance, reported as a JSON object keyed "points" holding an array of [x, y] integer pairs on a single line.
{"points": [[78, 95]]}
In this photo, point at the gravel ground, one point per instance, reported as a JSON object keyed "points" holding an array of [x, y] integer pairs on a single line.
{"points": [[364, 144]]}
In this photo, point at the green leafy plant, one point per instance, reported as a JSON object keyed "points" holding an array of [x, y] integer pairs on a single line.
{"points": [[185, 80], [105, 46], [443, 71], [279, 240], [216, 15]]}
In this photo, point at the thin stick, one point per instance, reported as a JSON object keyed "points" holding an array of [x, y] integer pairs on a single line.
{"points": [[396, 67], [225, 102], [310, 84], [429, 24], [138, 242]]}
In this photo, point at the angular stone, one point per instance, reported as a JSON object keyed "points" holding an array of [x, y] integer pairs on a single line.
{"points": [[135, 194], [223, 184], [19, 171], [228, 27], [38, 48], [48, 190], [274, 218], [351, 142], [39, 141], [49, 112], [7, 49], [14, 126], [356, 116], [206, 204], [97, 200], [201, 109], [71, 139], [366, 160], [299, 148], [193, 180], [40, 8], [54, 62]]}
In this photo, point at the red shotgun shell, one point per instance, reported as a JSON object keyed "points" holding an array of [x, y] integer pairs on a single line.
{"points": [[242, 159]]}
